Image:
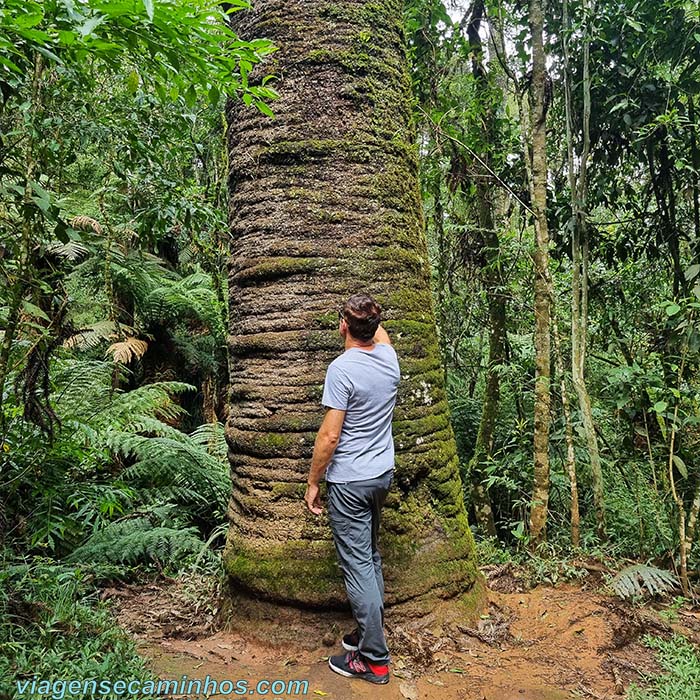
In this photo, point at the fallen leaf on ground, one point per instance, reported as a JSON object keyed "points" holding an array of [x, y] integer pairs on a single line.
{"points": [[409, 691]]}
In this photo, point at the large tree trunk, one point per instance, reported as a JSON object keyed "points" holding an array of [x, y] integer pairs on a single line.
{"points": [[325, 202]]}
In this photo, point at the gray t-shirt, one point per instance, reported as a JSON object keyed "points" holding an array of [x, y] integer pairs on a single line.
{"points": [[363, 383]]}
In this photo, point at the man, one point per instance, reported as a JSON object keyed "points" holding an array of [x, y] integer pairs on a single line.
{"points": [[355, 443]]}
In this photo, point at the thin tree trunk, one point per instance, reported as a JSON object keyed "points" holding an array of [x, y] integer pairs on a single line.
{"points": [[325, 202], [693, 514], [695, 160], [493, 286], [578, 186], [538, 188], [23, 275], [682, 533], [442, 253], [570, 452]]}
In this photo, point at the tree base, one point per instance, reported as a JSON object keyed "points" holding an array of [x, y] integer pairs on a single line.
{"points": [[273, 623]]}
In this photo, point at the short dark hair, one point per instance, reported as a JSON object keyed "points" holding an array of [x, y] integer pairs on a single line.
{"points": [[363, 315]]}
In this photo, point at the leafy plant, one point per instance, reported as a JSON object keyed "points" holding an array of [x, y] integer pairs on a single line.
{"points": [[117, 469], [633, 580], [52, 625], [681, 663]]}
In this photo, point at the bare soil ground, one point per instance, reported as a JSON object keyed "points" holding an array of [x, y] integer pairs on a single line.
{"points": [[548, 643]]}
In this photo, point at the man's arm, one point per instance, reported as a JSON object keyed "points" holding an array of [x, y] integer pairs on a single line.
{"points": [[324, 447], [381, 336]]}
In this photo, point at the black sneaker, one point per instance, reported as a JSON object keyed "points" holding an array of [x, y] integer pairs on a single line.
{"points": [[351, 641], [352, 665]]}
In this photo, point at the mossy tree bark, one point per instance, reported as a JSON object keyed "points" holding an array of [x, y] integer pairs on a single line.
{"points": [[543, 284], [325, 202]]}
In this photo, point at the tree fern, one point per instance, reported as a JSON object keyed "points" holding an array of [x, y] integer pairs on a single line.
{"points": [[95, 334], [118, 452], [141, 540], [192, 297]]}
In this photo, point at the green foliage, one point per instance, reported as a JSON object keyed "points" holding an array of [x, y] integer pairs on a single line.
{"points": [[548, 565], [670, 614], [642, 227], [117, 468], [159, 537], [53, 626], [681, 663], [173, 45], [96, 172]]}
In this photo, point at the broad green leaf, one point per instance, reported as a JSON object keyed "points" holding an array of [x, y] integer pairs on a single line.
{"points": [[265, 109], [34, 311], [680, 465], [692, 272], [190, 96], [48, 54], [41, 197], [31, 18], [66, 37], [160, 91], [660, 406], [662, 425], [91, 24], [12, 66], [672, 309], [620, 105]]}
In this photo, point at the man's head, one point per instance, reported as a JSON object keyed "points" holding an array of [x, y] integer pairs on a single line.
{"points": [[360, 316]]}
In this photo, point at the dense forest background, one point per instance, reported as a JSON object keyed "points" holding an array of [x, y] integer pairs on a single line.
{"points": [[559, 161]]}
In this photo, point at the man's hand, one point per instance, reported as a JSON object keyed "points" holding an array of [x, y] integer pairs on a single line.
{"points": [[313, 499]]}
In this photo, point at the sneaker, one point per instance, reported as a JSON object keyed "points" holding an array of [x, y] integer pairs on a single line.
{"points": [[351, 642], [352, 665]]}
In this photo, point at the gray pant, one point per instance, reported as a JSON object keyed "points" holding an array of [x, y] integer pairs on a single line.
{"points": [[354, 510]]}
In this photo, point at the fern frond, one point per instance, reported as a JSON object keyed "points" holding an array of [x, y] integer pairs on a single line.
{"points": [[212, 437], [94, 334], [151, 400], [72, 250], [138, 540], [86, 223], [628, 582], [128, 349], [164, 463], [83, 389]]}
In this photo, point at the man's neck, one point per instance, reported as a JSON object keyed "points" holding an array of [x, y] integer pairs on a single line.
{"points": [[351, 342]]}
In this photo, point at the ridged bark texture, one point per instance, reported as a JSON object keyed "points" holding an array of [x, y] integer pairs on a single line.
{"points": [[325, 202]]}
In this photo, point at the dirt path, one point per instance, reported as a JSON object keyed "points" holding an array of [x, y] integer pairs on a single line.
{"points": [[549, 643]]}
